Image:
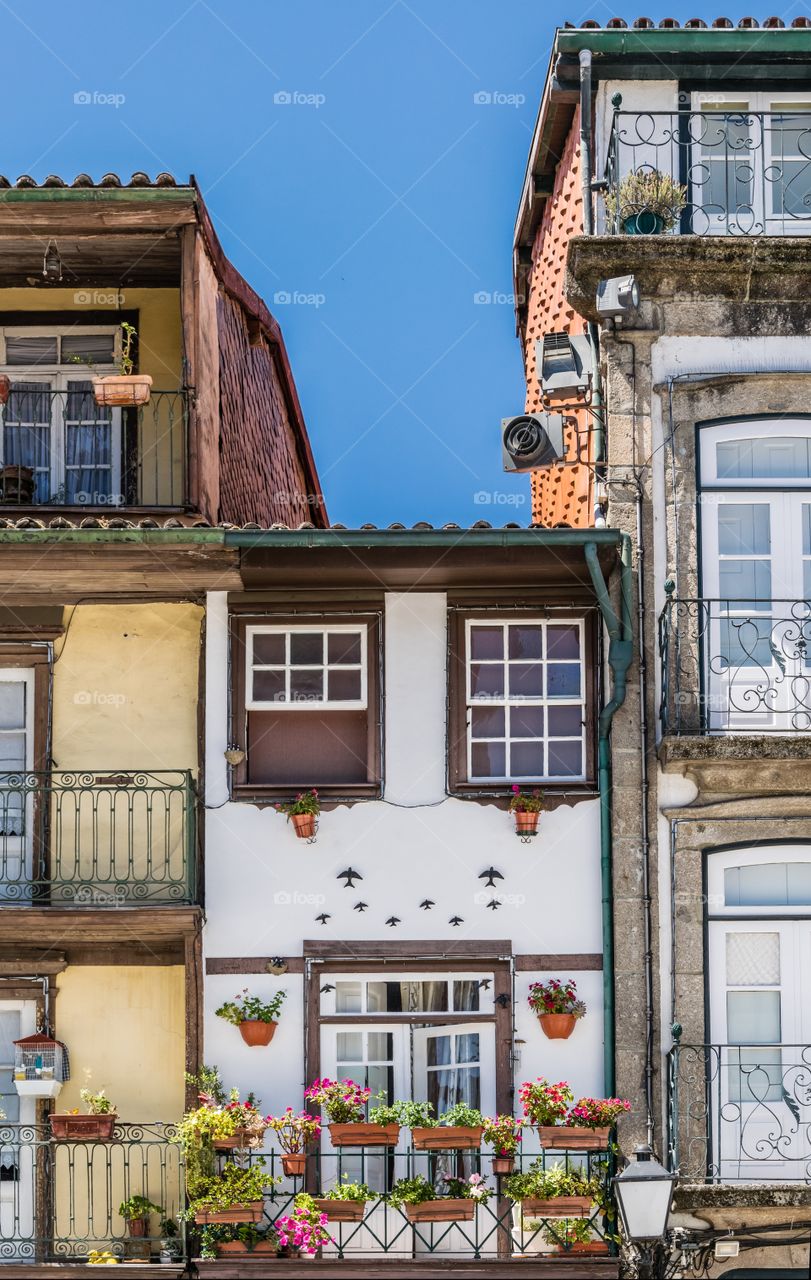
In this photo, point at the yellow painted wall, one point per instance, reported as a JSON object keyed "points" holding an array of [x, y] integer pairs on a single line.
{"points": [[159, 327], [126, 687], [124, 1026]]}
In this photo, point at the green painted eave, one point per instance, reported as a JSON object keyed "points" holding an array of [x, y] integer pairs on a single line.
{"points": [[99, 195], [658, 44], [145, 537], [439, 538]]}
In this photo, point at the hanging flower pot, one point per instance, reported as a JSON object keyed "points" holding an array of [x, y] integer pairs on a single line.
{"points": [[503, 1164], [557, 1026], [303, 825], [255, 1033], [364, 1135], [121, 389], [294, 1165], [526, 824], [76, 1128], [526, 807], [444, 1210]]}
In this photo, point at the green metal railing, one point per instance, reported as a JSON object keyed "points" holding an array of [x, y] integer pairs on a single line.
{"points": [[97, 839], [59, 1200]]}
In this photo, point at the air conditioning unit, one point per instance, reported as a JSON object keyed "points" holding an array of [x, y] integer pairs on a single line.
{"points": [[531, 440], [564, 366]]}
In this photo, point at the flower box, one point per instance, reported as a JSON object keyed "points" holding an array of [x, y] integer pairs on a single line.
{"points": [[564, 1137], [251, 1212], [255, 1032], [364, 1135], [240, 1139], [590, 1246], [446, 1210], [70, 1128], [231, 1246], [294, 1165], [342, 1210], [267, 1248], [122, 389], [557, 1207], [447, 1137]]}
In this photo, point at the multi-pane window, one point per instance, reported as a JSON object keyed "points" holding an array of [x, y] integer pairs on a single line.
{"points": [[460, 994], [307, 666], [525, 700]]}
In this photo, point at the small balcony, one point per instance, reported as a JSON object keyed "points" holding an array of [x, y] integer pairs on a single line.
{"points": [[740, 1113], [743, 173], [97, 839], [735, 666], [58, 448]]}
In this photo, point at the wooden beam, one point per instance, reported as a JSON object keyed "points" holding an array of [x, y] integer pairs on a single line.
{"points": [[251, 964], [194, 1009], [555, 963], [399, 953], [121, 926]]}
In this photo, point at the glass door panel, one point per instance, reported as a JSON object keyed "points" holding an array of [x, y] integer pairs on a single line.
{"points": [[28, 431], [16, 797]]}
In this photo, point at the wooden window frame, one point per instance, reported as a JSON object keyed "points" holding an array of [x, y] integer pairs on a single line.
{"points": [[460, 616], [316, 616]]}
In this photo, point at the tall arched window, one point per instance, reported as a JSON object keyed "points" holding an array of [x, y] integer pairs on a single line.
{"points": [[755, 508]]}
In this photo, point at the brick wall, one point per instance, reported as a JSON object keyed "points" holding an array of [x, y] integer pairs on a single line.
{"points": [[261, 469], [561, 494]]}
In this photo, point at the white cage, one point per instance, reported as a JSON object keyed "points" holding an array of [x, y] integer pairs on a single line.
{"points": [[41, 1066]]}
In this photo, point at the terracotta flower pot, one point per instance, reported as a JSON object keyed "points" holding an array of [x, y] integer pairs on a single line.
{"points": [[303, 825], [266, 1248], [557, 1026], [138, 1227], [526, 824], [446, 1210], [68, 1128], [563, 1137], [231, 1246], [294, 1165], [122, 389], [240, 1139], [446, 1138], [360, 1134], [557, 1207], [257, 1033], [503, 1164], [5, 388], [591, 1246], [250, 1212], [342, 1210]]}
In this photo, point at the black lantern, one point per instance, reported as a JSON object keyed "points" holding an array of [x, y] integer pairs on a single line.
{"points": [[644, 1192], [52, 263]]}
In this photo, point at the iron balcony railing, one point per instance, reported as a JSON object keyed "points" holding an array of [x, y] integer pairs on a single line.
{"points": [[740, 1113], [97, 839], [735, 666], [743, 173], [59, 448], [59, 1200]]}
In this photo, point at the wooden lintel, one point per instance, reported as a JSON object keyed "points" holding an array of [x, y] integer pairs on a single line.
{"points": [[251, 964], [559, 963], [124, 927]]}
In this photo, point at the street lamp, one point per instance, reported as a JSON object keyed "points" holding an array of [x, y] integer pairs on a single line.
{"points": [[644, 1192]]}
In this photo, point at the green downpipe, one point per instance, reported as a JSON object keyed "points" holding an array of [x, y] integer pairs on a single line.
{"points": [[620, 653]]}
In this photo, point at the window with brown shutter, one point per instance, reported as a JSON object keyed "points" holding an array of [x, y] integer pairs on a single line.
{"points": [[306, 705]]}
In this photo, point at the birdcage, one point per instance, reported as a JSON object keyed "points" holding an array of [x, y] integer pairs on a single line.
{"points": [[41, 1066]]}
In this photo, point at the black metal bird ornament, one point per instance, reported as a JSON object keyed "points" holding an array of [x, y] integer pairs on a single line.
{"points": [[349, 877], [490, 876]]}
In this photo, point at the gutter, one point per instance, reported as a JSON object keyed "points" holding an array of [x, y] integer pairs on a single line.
{"points": [[620, 654], [279, 539], [658, 43]]}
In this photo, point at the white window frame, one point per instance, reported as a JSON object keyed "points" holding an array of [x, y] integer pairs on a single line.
{"points": [[320, 705], [328, 998], [722, 860], [58, 377], [507, 701]]}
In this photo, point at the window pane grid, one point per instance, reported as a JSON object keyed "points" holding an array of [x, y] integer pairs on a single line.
{"points": [[525, 705], [293, 668]]}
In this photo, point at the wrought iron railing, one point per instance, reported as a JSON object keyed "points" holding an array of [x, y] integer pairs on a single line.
{"points": [[735, 666], [743, 172], [97, 839], [59, 1200], [740, 1113], [59, 448]]}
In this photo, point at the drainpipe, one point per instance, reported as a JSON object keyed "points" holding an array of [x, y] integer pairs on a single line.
{"points": [[597, 404], [620, 653]]}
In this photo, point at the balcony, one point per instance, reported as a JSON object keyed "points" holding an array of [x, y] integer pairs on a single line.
{"points": [[97, 839], [58, 1200], [59, 448], [735, 666], [740, 1113], [745, 173]]}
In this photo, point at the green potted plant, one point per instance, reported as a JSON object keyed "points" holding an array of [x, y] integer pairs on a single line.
{"points": [[96, 1126], [458, 1128], [418, 1199], [526, 807], [503, 1134], [345, 1103], [170, 1244], [556, 1192], [584, 1126], [124, 387], [573, 1235], [233, 1196], [302, 813], [294, 1133], [256, 1019], [647, 203], [556, 1006], [345, 1202], [136, 1211]]}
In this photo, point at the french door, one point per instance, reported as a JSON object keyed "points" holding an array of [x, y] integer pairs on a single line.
{"points": [[16, 796], [17, 1154], [760, 1020]]}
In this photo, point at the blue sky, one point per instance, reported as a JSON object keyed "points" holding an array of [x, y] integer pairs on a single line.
{"points": [[372, 206]]}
